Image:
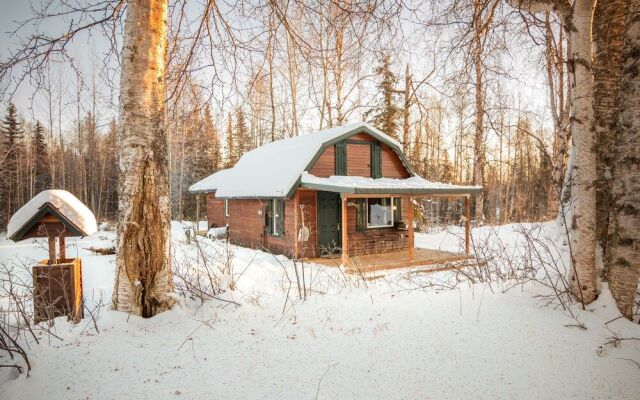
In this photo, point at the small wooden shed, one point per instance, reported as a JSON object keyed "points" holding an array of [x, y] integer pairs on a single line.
{"points": [[57, 281]]}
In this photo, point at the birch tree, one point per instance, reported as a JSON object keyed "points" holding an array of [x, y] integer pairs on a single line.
{"points": [[608, 32], [624, 254], [576, 20], [144, 279]]}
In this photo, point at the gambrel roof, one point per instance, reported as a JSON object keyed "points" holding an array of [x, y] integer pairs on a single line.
{"points": [[276, 169]]}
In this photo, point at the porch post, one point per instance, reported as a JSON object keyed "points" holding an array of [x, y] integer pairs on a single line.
{"points": [[197, 214], [296, 218], [410, 221], [466, 224], [345, 243]]}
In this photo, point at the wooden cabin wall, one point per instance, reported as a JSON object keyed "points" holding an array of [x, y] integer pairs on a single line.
{"points": [[375, 240], [215, 212], [359, 160], [246, 227], [309, 198], [392, 166], [325, 165]]}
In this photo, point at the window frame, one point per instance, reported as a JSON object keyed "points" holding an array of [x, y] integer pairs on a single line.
{"points": [[393, 222], [274, 217]]}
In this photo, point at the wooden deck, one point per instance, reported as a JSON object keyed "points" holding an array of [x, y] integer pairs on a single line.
{"points": [[394, 260]]}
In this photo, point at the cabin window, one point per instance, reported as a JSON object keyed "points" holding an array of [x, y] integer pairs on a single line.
{"points": [[274, 217], [379, 212], [226, 208]]}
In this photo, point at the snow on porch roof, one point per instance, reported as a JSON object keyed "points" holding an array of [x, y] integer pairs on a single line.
{"points": [[274, 169], [363, 185]]}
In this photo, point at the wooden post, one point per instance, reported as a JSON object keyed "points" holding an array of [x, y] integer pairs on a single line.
{"points": [[197, 214], [296, 210], [410, 222], [62, 250], [345, 242], [52, 248], [467, 231]]}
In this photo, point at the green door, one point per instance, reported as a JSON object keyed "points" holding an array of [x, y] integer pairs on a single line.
{"points": [[329, 213]]}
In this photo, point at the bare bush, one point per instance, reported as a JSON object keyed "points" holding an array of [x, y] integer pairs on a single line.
{"points": [[205, 273]]}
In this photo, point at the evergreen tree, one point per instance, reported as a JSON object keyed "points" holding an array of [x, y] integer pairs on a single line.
{"points": [[211, 159], [386, 114], [446, 169], [40, 166], [243, 138], [232, 153], [12, 135]]}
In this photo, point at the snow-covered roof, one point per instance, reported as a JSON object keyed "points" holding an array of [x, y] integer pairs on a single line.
{"points": [[210, 183], [65, 203], [365, 185], [273, 170]]}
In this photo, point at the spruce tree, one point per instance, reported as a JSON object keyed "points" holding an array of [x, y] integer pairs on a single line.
{"points": [[386, 113], [211, 143], [242, 133], [232, 154], [12, 135], [40, 165]]}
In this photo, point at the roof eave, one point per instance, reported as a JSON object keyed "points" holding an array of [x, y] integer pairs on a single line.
{"points": [[415, 191]]}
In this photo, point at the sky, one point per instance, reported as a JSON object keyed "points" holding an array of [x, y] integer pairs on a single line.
{"points": [[33, 104], [527, 84]]}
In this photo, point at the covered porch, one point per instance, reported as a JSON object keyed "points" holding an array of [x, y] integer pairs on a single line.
{"points": [[439, 260], [387, 255]]}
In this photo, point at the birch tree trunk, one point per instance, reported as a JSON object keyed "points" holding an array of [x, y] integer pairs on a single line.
{"points": [[143, 279], [608, 38], [624, 250], [560, 111], [582, 229], [478, 141], [583, 280]]}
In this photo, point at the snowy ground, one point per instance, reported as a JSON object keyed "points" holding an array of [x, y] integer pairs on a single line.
{"points": [[404, 336]]}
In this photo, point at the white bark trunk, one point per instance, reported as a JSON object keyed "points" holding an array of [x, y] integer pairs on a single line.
{"points": [[583, 278], [608, 38], [624, 267], [143, 280]]}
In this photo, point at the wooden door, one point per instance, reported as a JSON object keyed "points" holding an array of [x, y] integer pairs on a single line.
{"points": [[328, 224]]}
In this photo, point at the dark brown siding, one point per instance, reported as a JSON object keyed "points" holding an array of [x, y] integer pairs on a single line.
{"points": [[215, 211], [359, 160], [376, 240], [325, 165], [247, 226], [308, 198], [392, 166]]}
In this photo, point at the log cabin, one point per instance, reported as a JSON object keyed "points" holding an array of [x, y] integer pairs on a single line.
{"points": [[348, 190]]}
